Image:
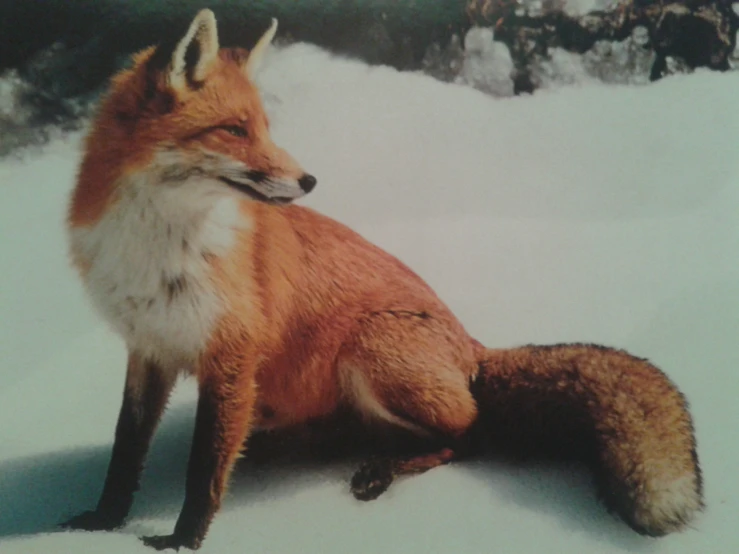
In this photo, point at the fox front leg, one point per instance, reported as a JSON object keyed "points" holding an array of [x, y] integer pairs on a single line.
{"points": [[145, 395], [224, 415]]}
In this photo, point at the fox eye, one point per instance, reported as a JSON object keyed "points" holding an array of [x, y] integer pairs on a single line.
{"points": [[235, 130]]}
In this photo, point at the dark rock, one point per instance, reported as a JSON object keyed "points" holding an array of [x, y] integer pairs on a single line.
{"points": [[702, 33]]}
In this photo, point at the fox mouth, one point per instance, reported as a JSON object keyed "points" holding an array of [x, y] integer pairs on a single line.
{"points": [[254, 194]]}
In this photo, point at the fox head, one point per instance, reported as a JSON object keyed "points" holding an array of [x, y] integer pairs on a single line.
{"points": [[191, 111]]}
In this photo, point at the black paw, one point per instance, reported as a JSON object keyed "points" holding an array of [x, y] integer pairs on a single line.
{"points": [[163, 542], [371, 480], [93, 520]]}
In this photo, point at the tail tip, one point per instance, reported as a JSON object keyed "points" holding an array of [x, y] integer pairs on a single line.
{"points": [[665, 508]]}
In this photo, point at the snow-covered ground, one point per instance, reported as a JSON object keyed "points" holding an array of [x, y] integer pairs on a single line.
{"points": [[594, 213]]}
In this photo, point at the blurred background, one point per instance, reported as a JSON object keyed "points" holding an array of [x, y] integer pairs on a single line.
{"points": [[56, 54]]}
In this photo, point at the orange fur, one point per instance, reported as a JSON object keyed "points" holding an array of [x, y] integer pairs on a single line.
{"points": [[311, 320]]}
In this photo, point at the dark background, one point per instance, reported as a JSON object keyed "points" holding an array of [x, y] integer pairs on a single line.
{"points": [[56, 55]]}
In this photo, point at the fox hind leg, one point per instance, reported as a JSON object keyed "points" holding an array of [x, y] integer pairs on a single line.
{"points": [[409, 372], [375, 476]]}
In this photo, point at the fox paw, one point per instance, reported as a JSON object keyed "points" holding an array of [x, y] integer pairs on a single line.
{"points": [[371, 480], [163, 542], [92, 520]]}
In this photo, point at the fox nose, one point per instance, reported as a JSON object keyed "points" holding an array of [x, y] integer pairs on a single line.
{"points": [[307, 183]]}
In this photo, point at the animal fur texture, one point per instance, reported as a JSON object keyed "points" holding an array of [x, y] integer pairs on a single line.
{"points": [[185, 237]]}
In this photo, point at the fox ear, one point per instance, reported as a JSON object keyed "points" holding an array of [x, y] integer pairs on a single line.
{"points": [[195, 53], [253, 62]]}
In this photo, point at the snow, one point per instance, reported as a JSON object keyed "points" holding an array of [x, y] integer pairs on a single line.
{"points": [[590, 213], [486, 64]]}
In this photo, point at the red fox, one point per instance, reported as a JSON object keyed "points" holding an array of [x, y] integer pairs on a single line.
{"points": [[183, 230]]}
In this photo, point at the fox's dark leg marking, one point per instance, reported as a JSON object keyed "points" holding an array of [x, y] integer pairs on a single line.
{"points": [[222, 425], [376, 475], [198, 507], [144, 399]]}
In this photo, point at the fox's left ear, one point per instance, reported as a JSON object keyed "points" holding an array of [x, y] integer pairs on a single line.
{"points": [[254, 61], [194, 54]]}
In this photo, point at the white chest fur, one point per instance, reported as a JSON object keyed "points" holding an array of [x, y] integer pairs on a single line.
{"points": [[148, 270]]}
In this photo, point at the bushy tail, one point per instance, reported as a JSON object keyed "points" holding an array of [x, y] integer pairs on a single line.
{"points": [[622, 409]]}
